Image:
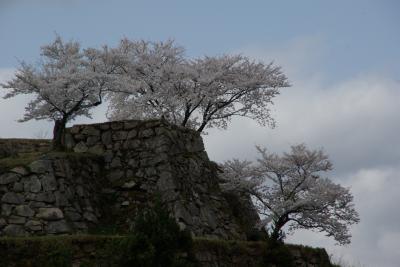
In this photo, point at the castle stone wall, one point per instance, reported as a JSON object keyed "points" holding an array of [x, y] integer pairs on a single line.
{"points": [[144, 160], [55, 194]]}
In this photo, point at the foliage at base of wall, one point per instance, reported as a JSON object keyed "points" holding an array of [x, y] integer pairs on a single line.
{"points": [[155, 240], [138, 250]]}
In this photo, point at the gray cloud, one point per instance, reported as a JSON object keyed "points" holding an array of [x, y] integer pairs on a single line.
{"points": [[356, 122]]}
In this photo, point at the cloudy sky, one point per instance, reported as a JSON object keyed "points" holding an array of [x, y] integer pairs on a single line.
{"points": [[342, 58]]}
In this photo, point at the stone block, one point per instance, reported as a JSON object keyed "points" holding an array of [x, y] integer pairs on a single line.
{"points": [[50, 214], [90, 130], [96, 149], [12, 198], [40, 166], [20, 170], [81, 147], [6, 209], [33, 184], [34, 225], [16, 220], [130, 124], [117, 125], [120, 135], [47, 197], [92, 140], [106, 138], [2, 223], [24, 211], [18, 187], [132, 134], [69, 141], [73, 216], [89, 216], [9, 178], [14, 230], [49, 182], [58, 227]]}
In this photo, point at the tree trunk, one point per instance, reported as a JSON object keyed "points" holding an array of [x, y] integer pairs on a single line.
{"points": [[202, 126], [275, 235], [58, 134]]}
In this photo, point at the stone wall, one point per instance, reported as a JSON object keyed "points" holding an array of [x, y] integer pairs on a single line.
{"points": [[56, 194], [148, 159]]}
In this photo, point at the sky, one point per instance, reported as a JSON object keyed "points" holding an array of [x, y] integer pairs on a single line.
{"points": [[341, 57]]}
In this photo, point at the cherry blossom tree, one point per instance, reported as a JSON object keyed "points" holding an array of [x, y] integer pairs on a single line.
{"points": [[199, 94], [67, 83], [290, 190]]}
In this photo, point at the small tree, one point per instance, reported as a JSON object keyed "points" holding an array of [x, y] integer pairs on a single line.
{"points": [[67, 83], [201, 93], [289, 190]]}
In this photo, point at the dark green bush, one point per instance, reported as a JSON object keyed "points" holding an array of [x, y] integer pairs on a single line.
{"points": [[278, 254], [156, 240]]}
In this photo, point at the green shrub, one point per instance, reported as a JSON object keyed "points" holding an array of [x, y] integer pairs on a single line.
{"points": [[155, 240], [278, 254], [163, 233]]}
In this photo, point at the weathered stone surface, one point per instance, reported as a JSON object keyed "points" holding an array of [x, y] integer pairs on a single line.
{"points": [[80, 191], [89, 216], [115, 175], [6, 209], [40, 166], [96, 149], [18, 187], [12, 198], [146, 133], [131, 144], [106, 138], [120, 135], [125, 203], [132, 134], [24, 211], [73, 216], [80, 225], [49, 182], [69, 141], [21, 170], [34, 225], [50, 214], [16, 220], [130, 124], [8, 178], [2, 223], [47, 197], [33, 184], [58, 227], [115, 163], [90, 130], [14, 230], [61, 200], [92, 140], [128, 185], [117, 125], [74, 129], [80, 147]]}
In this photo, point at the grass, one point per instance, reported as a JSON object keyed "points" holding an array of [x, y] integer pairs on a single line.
{"points": [[20, 160]]}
